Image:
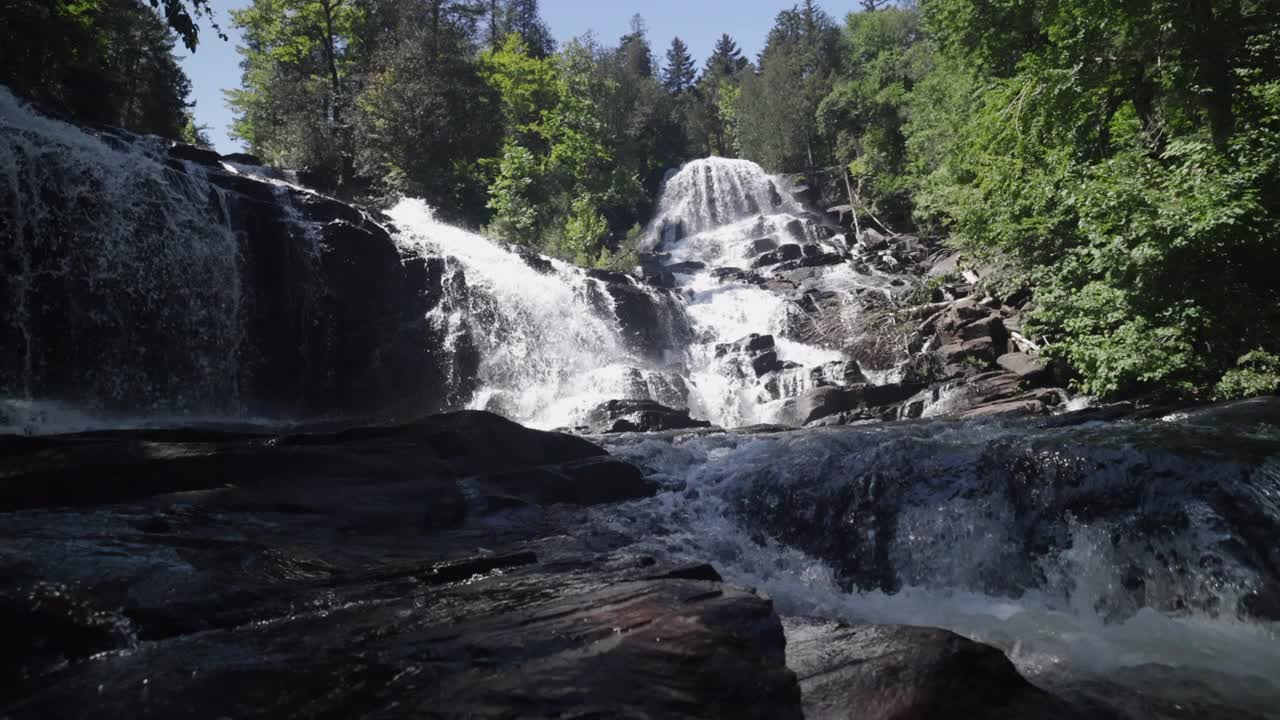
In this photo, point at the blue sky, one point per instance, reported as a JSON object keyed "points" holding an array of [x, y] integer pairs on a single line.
{"points": [[214, 66]]}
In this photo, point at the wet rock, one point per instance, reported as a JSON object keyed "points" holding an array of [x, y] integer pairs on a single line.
{"points": [[790, 251], [617, 416], [592, 481], [117, 466], [652, 320], [733, 274], [240, 158], [688, 267], [811, 260], [1031, 370], [823, 401], [765, 362], [749, 345], [892, 672], [198, 155], [763, 245], [500, 636], [872, 240]]}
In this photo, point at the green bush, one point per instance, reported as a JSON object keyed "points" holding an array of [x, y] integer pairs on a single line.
{"points": [[1257, 373]]}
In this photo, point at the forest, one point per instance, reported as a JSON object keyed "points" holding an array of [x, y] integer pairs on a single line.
{"points": [[1116, 163]]}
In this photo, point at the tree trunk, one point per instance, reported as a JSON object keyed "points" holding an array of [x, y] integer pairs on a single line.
{"points": [[1211, 50]]}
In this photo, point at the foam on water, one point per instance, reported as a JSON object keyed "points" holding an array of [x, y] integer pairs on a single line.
{"points": [[548, 351], [90, 218], [1064, 633]]}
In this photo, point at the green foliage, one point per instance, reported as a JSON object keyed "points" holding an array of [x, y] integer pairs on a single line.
{"points": [[1257, 373], [301, 65], [584, 231], [98, 61], [679, 73], [626, 256], [797, 67], [867, 110], [1121, 190]]}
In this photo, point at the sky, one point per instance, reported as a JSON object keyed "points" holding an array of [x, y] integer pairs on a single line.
{"points": [[215, 65]]}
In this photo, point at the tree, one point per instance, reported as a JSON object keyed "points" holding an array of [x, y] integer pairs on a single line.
{"points": [[885, 56], [100, 61], [776, 119], [300, 71], [425, 114], [679, 74], [1117, 160], [726, 59], [182, 16]]}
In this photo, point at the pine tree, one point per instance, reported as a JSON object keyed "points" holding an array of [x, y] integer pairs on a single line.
{"points": [[523, 19], [679, 75], [726, 59]]}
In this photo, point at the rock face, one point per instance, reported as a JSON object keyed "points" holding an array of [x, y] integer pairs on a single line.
{"points": [[145, 279], [415, 569], [891, 672], [653, 322]]}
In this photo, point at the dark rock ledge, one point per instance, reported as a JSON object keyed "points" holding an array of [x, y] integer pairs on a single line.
{"points": [[434, 569]]}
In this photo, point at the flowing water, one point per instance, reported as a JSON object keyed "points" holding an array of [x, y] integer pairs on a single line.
{"points": [[1117, 562], [1131, 561]]}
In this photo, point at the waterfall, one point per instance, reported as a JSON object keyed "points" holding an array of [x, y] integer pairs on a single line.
{"points": [[716, 216], [148, 284], [548, 336], [122, 272], [714, 192]]}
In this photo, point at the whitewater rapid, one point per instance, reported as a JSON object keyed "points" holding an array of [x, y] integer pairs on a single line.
{"points": [[955, 555]]}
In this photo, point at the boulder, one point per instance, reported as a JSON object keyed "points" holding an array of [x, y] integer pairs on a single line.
{"points": [[617, 416], [762, 245], [240, 158], [749, 345], [872, 240], [790, 251], [652, 319], [765, 362], [688, 267], [118, 466], [1030, 369], [823, 401], [976, 353], [591, 481], [991, 327], [894, 672], [191, 153]]}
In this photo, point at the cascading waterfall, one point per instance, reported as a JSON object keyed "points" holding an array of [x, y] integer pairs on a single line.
{"points": [[549, 343], [123, 270], [716, 214], [1131, 555]]}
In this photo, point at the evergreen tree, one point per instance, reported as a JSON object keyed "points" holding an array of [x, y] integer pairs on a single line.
{"points": [[777, 126], [522, 18], [679, 74], [726, 59]]}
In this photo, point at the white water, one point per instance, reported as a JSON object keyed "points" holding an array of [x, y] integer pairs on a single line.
{"points": [[549, 347], [723, 207], [89, 220], [1061, 634]]}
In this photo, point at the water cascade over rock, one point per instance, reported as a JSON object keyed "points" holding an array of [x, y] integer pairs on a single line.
{"points": [[1121, 560], [147, 282]]}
